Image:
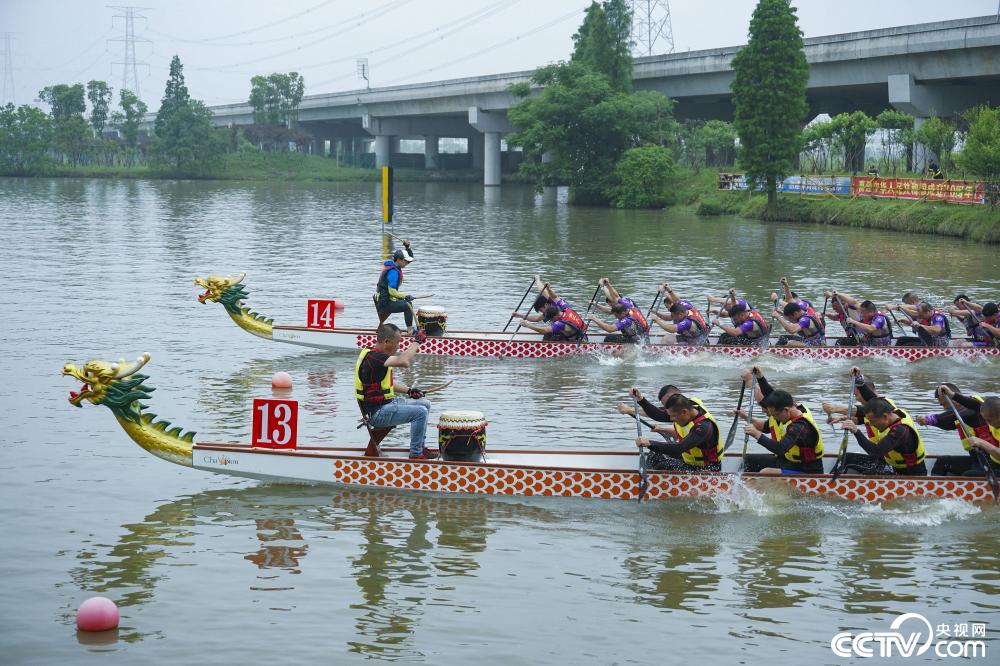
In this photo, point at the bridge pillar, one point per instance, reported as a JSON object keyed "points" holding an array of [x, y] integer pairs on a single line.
{"points": [[383, 150], [491, 159], [493, 125], [430, 151]]}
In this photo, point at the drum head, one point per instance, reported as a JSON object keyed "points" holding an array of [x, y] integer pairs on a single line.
{"points": [[432, 311], [464, 419]]}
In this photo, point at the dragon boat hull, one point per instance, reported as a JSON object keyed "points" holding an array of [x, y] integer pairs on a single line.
{"points": [[597, 475], [528, 345]]}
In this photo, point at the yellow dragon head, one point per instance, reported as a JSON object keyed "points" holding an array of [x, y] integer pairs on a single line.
{"points": [[120, 387], [216, 287], [230, 291], [100, 377]]}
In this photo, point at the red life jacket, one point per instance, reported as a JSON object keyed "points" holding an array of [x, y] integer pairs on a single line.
{"points": [[821, 329], [699, 321], [765, 326], [639, 318], [573, 318]]}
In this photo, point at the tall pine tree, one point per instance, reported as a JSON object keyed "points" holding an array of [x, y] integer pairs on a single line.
{"points": [[769, 95]]}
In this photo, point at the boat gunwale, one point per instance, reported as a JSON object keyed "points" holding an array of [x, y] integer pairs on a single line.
{"points": [[860, 351], [320, 452]]}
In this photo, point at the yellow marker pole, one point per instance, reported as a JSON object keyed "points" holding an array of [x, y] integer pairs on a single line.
{"points": [[387, 206]]}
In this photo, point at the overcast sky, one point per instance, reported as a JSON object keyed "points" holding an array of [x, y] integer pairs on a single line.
{"points": [[222, 43]]}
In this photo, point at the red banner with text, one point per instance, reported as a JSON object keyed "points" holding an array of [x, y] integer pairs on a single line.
{"points": [[956, 191]]}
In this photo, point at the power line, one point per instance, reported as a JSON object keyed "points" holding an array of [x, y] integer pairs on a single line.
{"points": [[9, 92], [491, 47], [652, 28], [360, 19], [271, 24], [439, 32], [129, 63]]}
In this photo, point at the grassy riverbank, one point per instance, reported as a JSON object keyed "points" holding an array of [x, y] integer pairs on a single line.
{"points": [[263, 166], [975, 222]]}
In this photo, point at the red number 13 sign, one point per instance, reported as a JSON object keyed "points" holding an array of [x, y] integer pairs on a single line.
{"points": [[274, 423]]}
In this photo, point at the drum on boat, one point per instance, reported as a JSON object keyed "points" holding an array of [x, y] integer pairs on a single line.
{"points": [[462, 435], [432, 320]]}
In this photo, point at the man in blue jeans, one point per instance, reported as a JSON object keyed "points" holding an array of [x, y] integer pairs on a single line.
{"points": [[376, 390]]}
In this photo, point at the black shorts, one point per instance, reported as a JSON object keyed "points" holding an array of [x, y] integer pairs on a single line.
{"points": [[758, 461], [659, 461]]}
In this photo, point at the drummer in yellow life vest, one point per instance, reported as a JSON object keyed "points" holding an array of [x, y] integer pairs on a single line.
{"points": [[376, 389], [795, 440], [697, 446]]}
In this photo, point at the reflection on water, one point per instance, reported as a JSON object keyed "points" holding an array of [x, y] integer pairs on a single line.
{"points": [[409, 553]]}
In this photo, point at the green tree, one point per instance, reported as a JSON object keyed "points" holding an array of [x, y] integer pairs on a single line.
{"points": [[851, 132], [719, 138], [602, 42], [99, 95], [769, 95], [897, 138], [644, 175], [25, 136], [133, 110], [64, 100], [939, 137], [585, 117], [817, 145], [981, 152], [71, 134], [186, 141], [275, 101], [585, 126]]}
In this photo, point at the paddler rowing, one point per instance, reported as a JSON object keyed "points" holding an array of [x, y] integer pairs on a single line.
{"points": [[888, 436], [554, 317]]}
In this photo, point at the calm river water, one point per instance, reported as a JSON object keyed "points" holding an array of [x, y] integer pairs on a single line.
{"points": [[216, 570]]}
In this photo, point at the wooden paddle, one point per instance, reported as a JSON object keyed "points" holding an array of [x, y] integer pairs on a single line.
{"points": [[978, 454], [518, 308], [838, 467], [753, 401], [643, 479], [731, 437], [766, 344]]}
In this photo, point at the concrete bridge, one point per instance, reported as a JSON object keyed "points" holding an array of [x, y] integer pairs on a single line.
{"points": [[942, 68]]}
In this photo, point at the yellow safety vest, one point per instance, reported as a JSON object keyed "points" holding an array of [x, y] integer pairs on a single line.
{"points": [[895, 458], [960, 430], [696, 456], [385, 386], [778, 431]]}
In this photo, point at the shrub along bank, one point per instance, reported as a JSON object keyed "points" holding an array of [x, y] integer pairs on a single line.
{"points": [[975, 222]]}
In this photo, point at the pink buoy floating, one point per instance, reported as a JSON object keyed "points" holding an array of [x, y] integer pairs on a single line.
{"points": [[97, 614], [282, 380]]}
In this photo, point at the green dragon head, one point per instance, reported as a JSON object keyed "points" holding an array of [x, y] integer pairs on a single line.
{"points": [[115, 385], [119, 387], [230, 292], [226, 290]]}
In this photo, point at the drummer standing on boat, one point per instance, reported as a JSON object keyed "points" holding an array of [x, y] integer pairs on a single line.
{"points": [[378, 392], [389, 298]]}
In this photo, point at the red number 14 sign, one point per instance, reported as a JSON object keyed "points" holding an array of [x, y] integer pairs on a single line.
{"points": [[274, 423], [320, 313]]}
